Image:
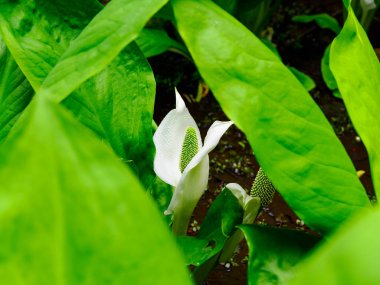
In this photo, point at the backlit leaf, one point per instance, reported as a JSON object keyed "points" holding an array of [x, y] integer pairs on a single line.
{"points": [[291, 138], [357, 71], [72, 213]]}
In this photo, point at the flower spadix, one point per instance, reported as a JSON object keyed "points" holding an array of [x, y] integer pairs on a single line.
{"points": [[182, 160]]}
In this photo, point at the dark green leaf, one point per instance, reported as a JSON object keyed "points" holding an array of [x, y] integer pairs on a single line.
{"points": [[223, 216], [72, 213], [197, 251], [323, 20], [305, 79], [327, 75], [15, 91], [274, 252], [357, 71], [118, 105], [291, 138], [38, 32]]}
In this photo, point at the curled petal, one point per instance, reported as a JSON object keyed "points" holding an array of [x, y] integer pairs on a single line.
{"points": [[214, 134], [168, 140]]}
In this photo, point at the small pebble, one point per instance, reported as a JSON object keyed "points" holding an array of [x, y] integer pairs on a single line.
{"points": [[227, 265]]}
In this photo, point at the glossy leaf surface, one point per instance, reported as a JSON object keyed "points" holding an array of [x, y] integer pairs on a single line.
{"points": [[292, 140], [274, 252], [357, 71], [72, 213]]}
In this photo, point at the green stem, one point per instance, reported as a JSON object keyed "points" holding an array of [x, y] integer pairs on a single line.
{"points": [[181, 219]]}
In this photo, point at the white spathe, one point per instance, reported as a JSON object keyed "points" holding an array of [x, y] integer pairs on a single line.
{"points": [[191, 184]]}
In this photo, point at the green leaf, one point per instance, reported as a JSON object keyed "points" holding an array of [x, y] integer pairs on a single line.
{"points": [[274, 252], [327, 75], [323, 20], [15, 91], [72, 213], [349, 257], [38, 32], [219, 224], [153, 42], [162, 194], [223, 216], [117, 104], [305, 79], [112, 29], [197, 251], [291, 138], [357, 71]]}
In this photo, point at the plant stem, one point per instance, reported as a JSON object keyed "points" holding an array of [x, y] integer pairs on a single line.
{"points": [[181, 219]]}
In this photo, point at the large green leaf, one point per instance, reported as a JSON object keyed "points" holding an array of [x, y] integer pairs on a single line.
{"points": [[38, 32], [349, 257], [15, 91], [72, 213], [292, 140], [357, 72], [117, 103], [274, 252], [112, 29]]}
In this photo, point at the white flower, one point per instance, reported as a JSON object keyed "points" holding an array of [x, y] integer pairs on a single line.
{"points": [[183, 162]]}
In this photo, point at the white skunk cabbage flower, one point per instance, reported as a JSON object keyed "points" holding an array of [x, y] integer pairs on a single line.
{"points": [[182, 161]]}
